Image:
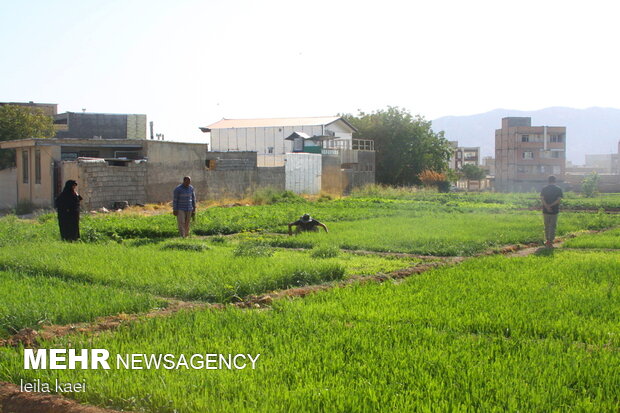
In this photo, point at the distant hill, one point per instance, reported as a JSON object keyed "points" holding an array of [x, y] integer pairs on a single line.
{"points": [[588, 131]]}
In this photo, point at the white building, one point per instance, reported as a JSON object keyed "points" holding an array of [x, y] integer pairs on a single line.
{"points": [[268, 136]]}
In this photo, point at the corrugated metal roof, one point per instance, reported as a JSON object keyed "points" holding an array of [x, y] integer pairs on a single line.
{"points": [[273, 122]]}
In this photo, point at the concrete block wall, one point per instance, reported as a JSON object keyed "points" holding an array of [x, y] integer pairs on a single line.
{"points": [[272, 177], [101, 185]]}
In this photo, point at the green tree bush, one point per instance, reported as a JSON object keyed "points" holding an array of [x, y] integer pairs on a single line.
{"points": [[589, 185], [19, 122], [405, 145]]}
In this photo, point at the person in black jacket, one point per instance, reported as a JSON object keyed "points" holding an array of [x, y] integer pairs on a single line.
{"points": [[305, 223], [68, 207], [551, 196]]}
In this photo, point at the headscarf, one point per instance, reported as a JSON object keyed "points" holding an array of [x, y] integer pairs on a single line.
{"points": [[67, 200], [69, 186]]}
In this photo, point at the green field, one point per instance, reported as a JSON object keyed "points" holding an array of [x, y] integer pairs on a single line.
{"points": [[29, 301], [609, 239], [490, 333], [533, 333]]}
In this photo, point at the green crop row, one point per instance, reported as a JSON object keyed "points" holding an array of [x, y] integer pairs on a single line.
{"points": [[522, 200], [31, 301], [214, 273], [608, 239], [440, 233], [273, 218], [494, 334]]}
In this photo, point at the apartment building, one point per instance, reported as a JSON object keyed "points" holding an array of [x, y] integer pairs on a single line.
{"points": [[526, 155], [463, 155]]}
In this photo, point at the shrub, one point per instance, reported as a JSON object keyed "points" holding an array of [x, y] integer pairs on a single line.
{"points": [[435, 179], [589, 185], [269, 195]]}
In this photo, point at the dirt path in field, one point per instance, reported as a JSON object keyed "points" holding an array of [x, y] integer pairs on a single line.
{"points": [[13, 400], [31, 338]]}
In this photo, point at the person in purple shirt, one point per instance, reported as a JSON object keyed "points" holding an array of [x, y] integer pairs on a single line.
{"points": [[184, 205]]}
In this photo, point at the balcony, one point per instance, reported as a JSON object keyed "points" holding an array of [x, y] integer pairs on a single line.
{"points": [[348, 149]]}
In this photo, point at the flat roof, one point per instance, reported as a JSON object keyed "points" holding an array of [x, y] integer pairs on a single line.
{"points": [[96, 143]]}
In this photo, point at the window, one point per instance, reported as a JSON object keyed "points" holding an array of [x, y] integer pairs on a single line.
{"points": [[556, 154], [523, 169], [556, 169], [270, 149], [525, 138], [210, 164], [91, 154], [557, 138], [528, 155], [37, 166], [25, 166]]}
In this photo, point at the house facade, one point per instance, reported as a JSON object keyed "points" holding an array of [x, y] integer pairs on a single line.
{"points": [[132, 171]]}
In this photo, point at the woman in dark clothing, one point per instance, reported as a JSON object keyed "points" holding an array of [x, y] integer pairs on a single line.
{"points": [[68, 207]]}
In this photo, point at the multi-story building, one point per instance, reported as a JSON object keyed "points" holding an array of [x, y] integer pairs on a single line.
{"points": [[80, 125], [526, 155], [488, 163], [606, 164], [463, 155]]}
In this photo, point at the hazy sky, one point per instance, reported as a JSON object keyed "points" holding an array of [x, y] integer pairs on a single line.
{"points": [[189, 63]]}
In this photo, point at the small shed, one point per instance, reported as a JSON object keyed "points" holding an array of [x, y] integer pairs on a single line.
{"points": [[302, 142]]}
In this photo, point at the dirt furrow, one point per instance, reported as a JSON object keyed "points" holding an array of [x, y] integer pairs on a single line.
{"points": [[13, 400]]}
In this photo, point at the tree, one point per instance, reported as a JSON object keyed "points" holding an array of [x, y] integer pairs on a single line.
{"points": [[405, 145], [473, 172], [589, 185], [21, 122]]}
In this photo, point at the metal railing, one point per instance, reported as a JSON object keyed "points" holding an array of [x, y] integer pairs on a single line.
{"points": [[351, 144]]}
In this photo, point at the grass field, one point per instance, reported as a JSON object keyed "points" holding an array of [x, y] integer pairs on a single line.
{"points": [[218, 273], [29, 301], [496, 333], [492, 333], [440, 233], [609, 239]]}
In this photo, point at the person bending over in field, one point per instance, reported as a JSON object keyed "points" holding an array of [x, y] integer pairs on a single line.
{"points": [[305, 223]]}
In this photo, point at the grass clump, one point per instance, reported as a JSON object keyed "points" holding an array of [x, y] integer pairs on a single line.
{"points": [[182, 246], [253, 249], [269, 195], [324, 252]]}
